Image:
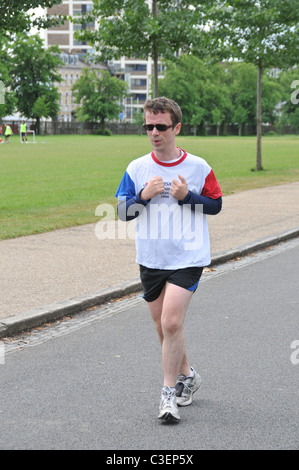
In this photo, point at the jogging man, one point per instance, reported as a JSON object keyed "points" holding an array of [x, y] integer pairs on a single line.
{"points": [[170, 192], [23, 130]]}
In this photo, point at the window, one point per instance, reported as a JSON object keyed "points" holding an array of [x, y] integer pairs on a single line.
{"points": [[139, 97], [76, 11], [138, 82], [87, 8], [135, 67]]}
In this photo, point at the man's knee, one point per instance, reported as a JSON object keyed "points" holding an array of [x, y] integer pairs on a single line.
{"points": [[171, 324]]}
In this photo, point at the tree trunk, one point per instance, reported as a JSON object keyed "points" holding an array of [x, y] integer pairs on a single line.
{"points": [[155, 54], [37, 126], [102, 125], [155, 59], [259, 120]]}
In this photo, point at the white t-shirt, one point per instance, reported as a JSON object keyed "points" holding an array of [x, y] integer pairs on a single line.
{"points": [[169, 235]]}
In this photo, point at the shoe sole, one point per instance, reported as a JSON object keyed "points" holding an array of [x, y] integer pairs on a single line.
{"points": [[167, 416]]}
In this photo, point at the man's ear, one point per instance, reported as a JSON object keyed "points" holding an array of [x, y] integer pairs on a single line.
{"points": [[178, 128]]}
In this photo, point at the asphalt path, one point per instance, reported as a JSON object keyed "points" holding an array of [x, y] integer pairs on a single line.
{"points": [[93, 381]]}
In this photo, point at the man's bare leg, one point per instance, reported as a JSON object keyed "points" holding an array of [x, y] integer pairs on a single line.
{"points": [[168, 313]]}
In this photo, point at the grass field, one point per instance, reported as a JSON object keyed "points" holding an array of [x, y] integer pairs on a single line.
{"points": [[59, 181]]}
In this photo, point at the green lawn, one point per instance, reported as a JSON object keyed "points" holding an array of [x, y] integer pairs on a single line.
{"points": [[59, 181]]}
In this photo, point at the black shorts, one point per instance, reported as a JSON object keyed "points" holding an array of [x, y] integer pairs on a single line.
{"points": [[153, 280]]}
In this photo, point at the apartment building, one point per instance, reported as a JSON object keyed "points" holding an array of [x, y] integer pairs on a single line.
{"points": [[70, 73], [137, 73], [64, 35]]}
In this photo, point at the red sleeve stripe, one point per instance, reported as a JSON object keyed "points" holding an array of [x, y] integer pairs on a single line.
{"points": [[211, 187]]}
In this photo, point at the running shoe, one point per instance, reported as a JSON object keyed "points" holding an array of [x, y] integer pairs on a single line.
{"points": [[185, 387], [168, 409]]}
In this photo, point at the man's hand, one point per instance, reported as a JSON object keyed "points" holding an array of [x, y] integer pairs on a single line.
{"points": [[154, 187], [179, 189]]}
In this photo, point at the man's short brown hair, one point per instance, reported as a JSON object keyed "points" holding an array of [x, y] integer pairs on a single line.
{"points": [[163, 105]]}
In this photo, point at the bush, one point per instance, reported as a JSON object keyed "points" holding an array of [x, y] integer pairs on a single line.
{"points": [[104, 132]]}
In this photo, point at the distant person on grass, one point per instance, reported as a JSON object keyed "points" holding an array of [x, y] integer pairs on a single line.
{"points": [[23, 131], [170, 191], [8, 133]]}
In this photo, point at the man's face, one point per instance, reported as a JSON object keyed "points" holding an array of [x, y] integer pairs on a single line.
{"points": [[162, 140]]}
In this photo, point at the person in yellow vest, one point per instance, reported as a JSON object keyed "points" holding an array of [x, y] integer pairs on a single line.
{"points": [[23, 130], [8, 133]]}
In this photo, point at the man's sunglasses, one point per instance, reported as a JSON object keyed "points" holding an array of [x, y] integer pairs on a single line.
{"points": [[159, 127]]}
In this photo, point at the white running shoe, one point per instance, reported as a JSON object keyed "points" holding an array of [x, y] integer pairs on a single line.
{"points": [[185, 387], [168, 407]]}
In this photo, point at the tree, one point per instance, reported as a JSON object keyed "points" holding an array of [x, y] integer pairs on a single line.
{"points": [[15, 16], [98, 96], [34, 74], [45, 106], [264, 33], [199, 88], [240, 117], [160, 28], [7, 96], [241, 80]]}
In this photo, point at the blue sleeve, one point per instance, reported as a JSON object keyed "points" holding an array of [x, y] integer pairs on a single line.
{"points": [[210, 206], [126, 188], [129, 203]]}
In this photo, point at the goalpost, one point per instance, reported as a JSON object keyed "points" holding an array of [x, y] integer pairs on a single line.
{"points": [[33, 141]]}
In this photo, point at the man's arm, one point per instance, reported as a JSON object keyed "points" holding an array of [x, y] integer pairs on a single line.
{"points": [[179, 190], [130, 208], [210, 206]]}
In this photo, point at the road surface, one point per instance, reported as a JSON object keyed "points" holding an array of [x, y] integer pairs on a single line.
{"points": [[93, 381]]}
